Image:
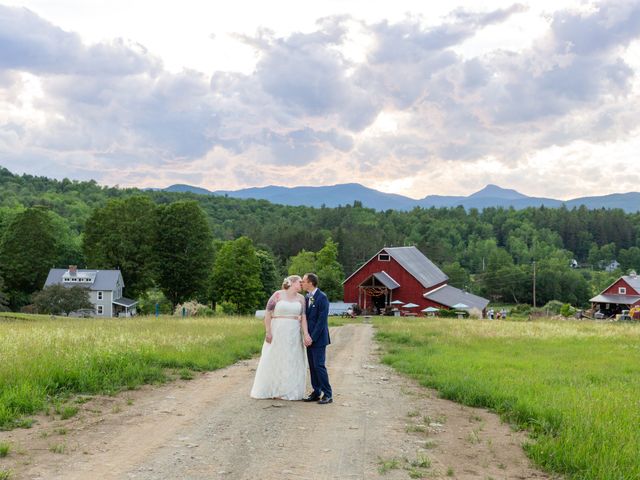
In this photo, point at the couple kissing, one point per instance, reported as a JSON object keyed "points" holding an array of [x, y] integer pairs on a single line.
{"points": [[297, 333]]}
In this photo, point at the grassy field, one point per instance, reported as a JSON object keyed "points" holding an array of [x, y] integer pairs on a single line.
{"points": [[43, 360], [574, 385]]}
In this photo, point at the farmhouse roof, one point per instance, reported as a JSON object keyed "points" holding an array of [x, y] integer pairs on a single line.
{"points": [[414, 262], [615, 298], [125, 302], [449, 296], [102, 279]]}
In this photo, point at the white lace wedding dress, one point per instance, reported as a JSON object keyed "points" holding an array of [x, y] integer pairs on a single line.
{"points": [[282, 369]]}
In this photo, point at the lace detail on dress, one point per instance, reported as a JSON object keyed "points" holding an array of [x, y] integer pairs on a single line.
{"points": [[282, 369]]}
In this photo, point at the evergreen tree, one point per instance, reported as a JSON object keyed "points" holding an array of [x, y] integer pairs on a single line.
{"points": [[236, 276], [184, 249], [28, 250], [122, 235]]}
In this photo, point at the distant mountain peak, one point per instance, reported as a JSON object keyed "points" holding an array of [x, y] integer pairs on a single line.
{"points": [[494, 191], [347, 194]]}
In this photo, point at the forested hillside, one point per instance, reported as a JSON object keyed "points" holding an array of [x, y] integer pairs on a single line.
{"points": [[491, 252]]}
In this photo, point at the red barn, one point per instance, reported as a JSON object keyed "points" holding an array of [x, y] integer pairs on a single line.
{"points": [[623, 294], [404, 274]]}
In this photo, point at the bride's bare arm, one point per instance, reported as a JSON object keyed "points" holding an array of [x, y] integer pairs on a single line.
{"points": [[271, 305]]}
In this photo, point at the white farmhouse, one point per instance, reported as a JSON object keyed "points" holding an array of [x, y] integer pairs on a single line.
{"points": [[105, 289]]}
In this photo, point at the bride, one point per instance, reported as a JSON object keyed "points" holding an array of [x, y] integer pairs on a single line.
{"points": [[282, 369]]}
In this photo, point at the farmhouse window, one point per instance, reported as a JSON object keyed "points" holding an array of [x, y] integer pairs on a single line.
{"points": [[384, 257], [622, 290], [99, 295], [100, 309]]}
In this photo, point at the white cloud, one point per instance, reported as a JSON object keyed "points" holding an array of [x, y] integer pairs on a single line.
{"points": [[423, 103]]}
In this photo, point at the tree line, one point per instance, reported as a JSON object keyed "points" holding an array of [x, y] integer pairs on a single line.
{"points": [[233, 252]]}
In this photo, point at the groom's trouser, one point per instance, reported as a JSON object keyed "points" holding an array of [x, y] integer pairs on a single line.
{"points": [[319, 375]]}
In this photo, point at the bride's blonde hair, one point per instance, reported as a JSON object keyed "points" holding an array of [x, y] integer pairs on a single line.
{"points": [[287, 282]]}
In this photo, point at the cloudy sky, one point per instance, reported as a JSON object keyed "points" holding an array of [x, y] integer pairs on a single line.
{"points": [[403, 96]]}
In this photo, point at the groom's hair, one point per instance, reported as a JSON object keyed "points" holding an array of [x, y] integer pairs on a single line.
{"points": [[313, 278]]}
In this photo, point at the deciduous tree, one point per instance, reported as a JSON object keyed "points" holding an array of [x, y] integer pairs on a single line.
{"points": [[122, 235], [28, 250], [61, 300], [184, 250], [236, 275]]}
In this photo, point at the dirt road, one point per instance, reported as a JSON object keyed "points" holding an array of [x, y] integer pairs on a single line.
{"points": [[380, 425]]}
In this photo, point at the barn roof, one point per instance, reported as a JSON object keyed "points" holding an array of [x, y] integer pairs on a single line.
{"points": [[633, 281], [617, 299], [449, 296], [385, 279], [414, 262]]}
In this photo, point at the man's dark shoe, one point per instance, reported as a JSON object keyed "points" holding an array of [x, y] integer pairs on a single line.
{"points": [[314, 397], [324, 400]]}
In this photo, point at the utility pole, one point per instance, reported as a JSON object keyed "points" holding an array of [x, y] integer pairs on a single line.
{"points": [[534, 284]]}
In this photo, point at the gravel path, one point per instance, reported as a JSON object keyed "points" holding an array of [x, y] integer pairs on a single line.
{"points": [[380, 425]]}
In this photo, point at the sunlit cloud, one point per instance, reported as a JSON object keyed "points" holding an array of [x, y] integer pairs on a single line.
{"points": [[540, 98]]}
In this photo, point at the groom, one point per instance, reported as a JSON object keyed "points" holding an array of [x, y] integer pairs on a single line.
{"points": [[317, 305]]}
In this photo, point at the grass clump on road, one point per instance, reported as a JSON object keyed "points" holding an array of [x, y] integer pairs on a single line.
{"points": [[45, 359], [573, 385]]}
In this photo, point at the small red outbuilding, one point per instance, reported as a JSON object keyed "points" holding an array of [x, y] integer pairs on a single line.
{"points": [[623, 294]]}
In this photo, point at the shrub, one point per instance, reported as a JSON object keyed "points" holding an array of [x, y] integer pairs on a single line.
{"points": [[553, 307], [147, 303], [192, 309], [452, 313], [228, 308], [567, 310], [521, 309]]}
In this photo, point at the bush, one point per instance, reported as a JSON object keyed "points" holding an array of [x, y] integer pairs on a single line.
{"points": [[567, 310], [452, 313], [521, 309], [228, 308], [31, 308], [553, 307], [147, 303], [193, 309]]}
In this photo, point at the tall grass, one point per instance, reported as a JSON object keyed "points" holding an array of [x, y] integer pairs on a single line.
{"points": [[574, 385], [42, 358]]}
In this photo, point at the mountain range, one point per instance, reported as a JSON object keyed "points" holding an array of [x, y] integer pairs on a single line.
{"points": [[348, 193]]}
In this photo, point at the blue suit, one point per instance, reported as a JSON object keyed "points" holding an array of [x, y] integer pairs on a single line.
{"points": [[318, 323]]}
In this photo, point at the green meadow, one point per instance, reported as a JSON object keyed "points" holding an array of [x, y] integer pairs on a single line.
{"points": [[574, 385], [45, 360]]}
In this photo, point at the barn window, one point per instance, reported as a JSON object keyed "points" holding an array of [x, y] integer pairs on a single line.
{"points": [[384, 257], [622, 290]]}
